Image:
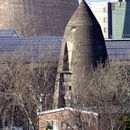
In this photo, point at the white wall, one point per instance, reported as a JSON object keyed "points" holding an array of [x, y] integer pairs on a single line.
{"points": [[100, 10]]}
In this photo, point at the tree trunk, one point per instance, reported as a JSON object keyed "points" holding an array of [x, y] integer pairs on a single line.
{"points": [[3, 120], [12, 117]]}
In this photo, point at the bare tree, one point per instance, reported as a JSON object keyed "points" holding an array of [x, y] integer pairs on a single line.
{"points": [[21, 86], [106, 92], [24, 26], [79, 119]]}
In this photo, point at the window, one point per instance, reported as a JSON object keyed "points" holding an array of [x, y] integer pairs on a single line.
{"points": [[105, 29], [70, 88], [68, 125], [105, 19], [63, 125], [84, 123], [105, 9], [55, 125]]}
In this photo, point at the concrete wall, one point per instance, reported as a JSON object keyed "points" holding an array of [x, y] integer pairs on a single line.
{"points": [[39, 17]]}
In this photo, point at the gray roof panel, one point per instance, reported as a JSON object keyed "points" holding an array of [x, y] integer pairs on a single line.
{"points": [[117, 49], [8, 33]]}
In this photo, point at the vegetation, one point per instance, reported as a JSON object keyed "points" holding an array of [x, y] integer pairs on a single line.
{"points": [[48, 127], [25, 88], [107, 93]]}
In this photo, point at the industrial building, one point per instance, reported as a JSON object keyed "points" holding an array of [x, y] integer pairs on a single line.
{"points": [[114, 18], [37, 17], [82, 48], [120, 19], [100, 10]]}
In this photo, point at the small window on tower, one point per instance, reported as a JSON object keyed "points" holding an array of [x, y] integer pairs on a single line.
{"points": [[70, 88]]}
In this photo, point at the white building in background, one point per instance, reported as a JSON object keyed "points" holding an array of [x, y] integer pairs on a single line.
{"points": [[100, 10], [114, 18]]}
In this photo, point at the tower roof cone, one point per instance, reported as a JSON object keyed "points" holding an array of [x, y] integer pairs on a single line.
{"points": [[84, 37], [83, 15]]}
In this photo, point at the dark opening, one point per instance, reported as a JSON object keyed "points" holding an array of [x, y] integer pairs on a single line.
{"points": [[70, 88]]}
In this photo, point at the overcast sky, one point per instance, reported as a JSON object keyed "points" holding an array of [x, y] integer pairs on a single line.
{"points": [[98, 0], [90, 1]]}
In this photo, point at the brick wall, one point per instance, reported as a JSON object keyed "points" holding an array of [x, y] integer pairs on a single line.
{"points": [[66, 119]]}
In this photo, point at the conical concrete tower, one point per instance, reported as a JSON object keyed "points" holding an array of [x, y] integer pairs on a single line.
{"points": [[83, 47]]}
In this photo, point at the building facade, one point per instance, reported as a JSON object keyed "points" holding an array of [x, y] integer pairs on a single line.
{"points": [[114, 18], [37, 17], [120, 20], [100, 10], [68, 119]]}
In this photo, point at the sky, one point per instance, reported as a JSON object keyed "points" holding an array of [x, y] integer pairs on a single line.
{"points": [[90, 1], [99, 0]]}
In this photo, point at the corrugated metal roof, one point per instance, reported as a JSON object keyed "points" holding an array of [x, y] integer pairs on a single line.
{"points": [[8, 33], [117, 49], [32, 43], [37, 47]]}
